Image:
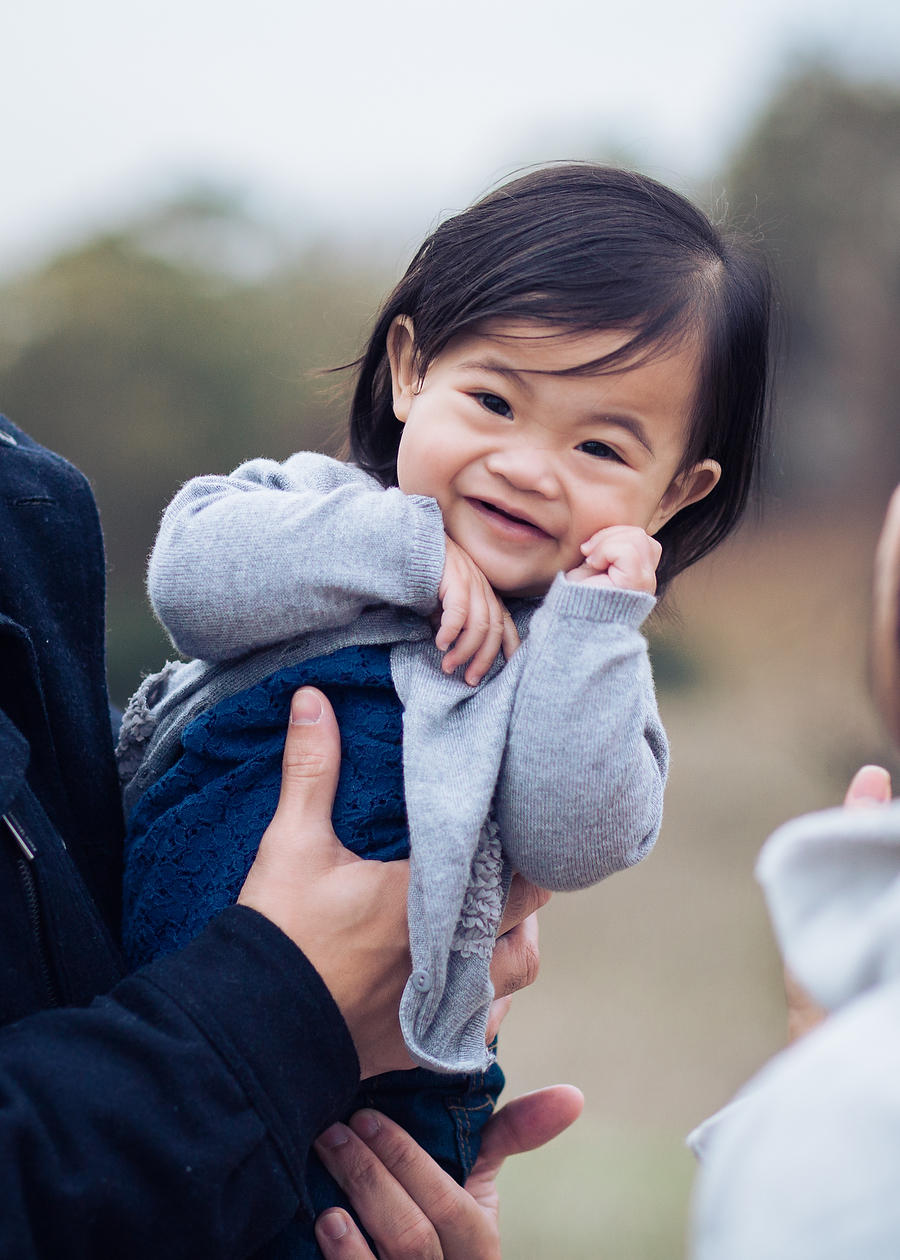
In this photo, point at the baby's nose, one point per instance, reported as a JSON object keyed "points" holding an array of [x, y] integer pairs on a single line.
{"points": [[526, 468]]}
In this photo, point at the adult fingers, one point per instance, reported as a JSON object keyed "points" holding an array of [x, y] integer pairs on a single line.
{"points": [[458, 1226], [522, 900], [392, 1217], [496, 1015], [516, 960], [871, 785], [339, 1237]]}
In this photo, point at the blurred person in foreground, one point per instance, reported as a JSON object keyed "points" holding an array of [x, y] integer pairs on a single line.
{"points": [[171, 1113], [805, 1163]]}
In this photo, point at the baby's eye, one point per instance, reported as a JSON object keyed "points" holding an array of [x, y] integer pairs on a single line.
{"points": [[599, 450], [493, 402]]}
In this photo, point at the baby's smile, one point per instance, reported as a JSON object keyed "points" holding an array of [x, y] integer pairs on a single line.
{"points": [[527, 458], [506, 522]]}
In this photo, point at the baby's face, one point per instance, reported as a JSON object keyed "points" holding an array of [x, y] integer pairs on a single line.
{"points": [[527, 465]]}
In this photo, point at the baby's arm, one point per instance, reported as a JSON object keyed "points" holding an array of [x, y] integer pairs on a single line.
{"points": [[276, 550], [581, 788]]}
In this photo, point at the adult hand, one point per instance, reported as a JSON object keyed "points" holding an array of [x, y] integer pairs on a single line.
{"points": [[516, 961], [408, 1204], [348, 915], [870, 787]]}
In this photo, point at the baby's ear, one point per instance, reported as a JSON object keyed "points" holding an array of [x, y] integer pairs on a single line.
{"points": [[688, 487], [401, 350]]}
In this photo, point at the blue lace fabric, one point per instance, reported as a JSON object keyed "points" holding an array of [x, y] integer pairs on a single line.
{"points": [[195, 833]]}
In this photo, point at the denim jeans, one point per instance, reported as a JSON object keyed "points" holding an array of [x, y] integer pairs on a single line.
{"points": [[445, 1115]]}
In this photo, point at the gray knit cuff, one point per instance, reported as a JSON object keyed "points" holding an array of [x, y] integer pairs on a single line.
{"points": [[598, 603], [427, 553]]}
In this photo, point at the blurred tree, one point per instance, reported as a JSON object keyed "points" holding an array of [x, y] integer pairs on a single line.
{"points": [[145, 371], [820, 172]]}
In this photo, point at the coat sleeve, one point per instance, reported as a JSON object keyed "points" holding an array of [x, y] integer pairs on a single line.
{"points": [[174, 1116], [581, 786], [277, 550]]}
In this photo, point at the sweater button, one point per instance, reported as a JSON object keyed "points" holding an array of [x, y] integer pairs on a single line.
{"points": [[409, 618], [421, 981]]}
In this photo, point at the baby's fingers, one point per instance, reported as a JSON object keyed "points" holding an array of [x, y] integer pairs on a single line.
{"points": [[454, 616], [511, 638], [487, 652], [474, 632]]}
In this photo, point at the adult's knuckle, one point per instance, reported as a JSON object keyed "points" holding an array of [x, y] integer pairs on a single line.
{"points": [[522, 966], [361, 1172], [531, 963], [304, 763], [451, 1209], [414, 1237], [399, 1156]]}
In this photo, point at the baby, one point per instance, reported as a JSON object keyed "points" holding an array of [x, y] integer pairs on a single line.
{"points": [[560, 407]]}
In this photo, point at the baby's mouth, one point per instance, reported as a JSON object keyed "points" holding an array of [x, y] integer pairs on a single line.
{"points": [[529, 527]]}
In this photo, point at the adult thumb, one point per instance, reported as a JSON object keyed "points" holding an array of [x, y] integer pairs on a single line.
{"points": [[309, 775], [527, 1123]]}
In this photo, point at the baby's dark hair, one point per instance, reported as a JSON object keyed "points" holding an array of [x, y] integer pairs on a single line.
{"points": [[589, 247]]}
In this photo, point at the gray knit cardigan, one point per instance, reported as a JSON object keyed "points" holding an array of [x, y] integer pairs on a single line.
{"points": [[554, 765]]}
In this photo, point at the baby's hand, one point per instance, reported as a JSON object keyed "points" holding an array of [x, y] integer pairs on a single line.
{"points": [[474, 623], [623, 556]]}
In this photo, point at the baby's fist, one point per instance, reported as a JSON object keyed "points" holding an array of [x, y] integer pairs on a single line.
{"points": [[623, 556]]}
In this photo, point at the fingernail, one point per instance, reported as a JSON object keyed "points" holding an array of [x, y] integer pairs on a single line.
{"points": [[333, 1224], [335, 1136], [365, 1123], [306, 708]]}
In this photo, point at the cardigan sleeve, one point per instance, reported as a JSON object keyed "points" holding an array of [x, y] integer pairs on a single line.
{"points": [[173, 1117], [278, 550], [581, 785]]}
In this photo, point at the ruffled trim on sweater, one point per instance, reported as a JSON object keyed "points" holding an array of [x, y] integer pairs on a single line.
{"points": [[476, 930]]}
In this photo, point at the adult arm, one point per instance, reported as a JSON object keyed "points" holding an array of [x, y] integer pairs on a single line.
{"points": [[277, 550], [174, 1116], [581, 789]]}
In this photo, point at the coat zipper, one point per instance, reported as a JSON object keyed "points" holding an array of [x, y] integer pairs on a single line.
{"points": [[26, 857]]}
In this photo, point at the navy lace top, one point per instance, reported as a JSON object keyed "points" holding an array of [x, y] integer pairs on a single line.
{"points": [[195, 833]]}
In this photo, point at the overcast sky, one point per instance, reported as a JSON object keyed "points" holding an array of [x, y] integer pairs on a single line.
{"points": [[378, 114]]}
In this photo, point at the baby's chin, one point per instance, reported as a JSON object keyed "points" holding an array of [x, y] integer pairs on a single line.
{"points": [[522, 589]]}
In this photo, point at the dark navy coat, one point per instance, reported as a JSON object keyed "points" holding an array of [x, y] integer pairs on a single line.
{"points": [[173, 1116]]}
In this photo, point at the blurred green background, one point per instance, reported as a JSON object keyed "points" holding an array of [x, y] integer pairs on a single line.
{"points": [[145, 358]]}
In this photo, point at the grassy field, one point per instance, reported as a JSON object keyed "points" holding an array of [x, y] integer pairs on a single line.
{"points": [[660, 990]]}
